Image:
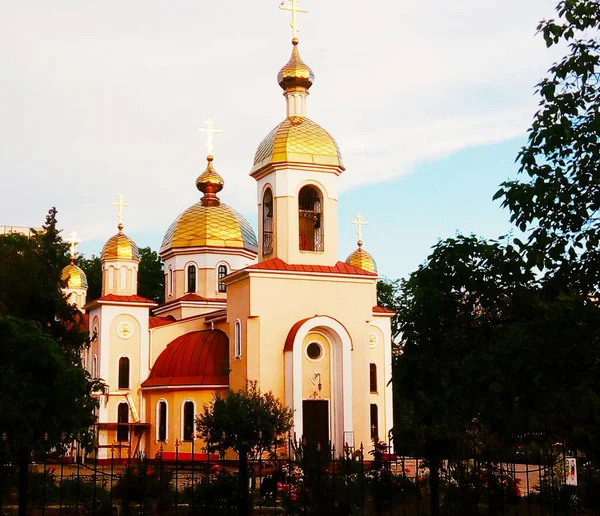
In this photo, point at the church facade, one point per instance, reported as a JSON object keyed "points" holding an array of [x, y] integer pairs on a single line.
{"points": [[280, 309]]}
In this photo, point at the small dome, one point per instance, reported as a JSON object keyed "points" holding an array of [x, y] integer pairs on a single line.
{"points": [[196, 358], [298, 140], [295, 74], [210, 226], [209, 182], [120, 247], [363, 260], [74, 276]]}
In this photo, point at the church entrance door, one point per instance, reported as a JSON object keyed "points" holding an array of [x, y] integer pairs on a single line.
{"points": [[315, 415]]}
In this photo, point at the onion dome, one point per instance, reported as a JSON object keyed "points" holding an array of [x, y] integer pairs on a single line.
{"points": [[74, 276], [298, 140], [120, 247], [198, 358], [295, 75], [209, 222], [362, 259]]}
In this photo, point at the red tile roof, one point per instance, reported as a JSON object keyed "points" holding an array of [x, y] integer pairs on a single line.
{"points": [[291, 336], [196, 297], [161, 321], [197, 358], [113, 298], [382, 310], [277, 264]]}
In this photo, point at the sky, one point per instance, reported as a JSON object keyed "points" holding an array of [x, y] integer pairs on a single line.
{"points": [[429, 102]]}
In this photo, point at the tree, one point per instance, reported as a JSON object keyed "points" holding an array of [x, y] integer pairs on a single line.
{"points": [[559, 201], [93, 271], [43, 386], [151, 277], [388, 292], [245, 421]]}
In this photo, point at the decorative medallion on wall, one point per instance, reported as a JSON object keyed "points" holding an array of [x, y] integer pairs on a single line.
{"points": [[372, 340], [125, 330]]}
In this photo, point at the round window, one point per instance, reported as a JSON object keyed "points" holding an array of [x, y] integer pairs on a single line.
{"points": [[314, 351]]}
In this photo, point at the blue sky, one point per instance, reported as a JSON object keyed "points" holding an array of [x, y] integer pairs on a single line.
{"points": [[429, 102]]}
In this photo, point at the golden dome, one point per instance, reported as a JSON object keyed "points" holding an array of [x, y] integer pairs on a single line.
{"points": [[74, 276], [363, 260], [213, 225], [120, 247], [298, 140], [210, 183], [295, 74]]}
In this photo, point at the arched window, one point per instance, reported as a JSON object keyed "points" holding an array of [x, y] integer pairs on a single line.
{"points": [[170, 281], [310, 219], [123, 373], [267, 207], [374, 422], [237, 340], [122, 422], [188, 421], [191, 278], [161, 421], [373, 377], [221, 273], [95, 366]]}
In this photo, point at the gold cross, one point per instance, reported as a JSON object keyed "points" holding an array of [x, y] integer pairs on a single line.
{"points": [[73, 241], [121, 204], [360, 222], [210, 131], [294, 10]]}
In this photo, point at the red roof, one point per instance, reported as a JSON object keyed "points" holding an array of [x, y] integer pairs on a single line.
{"points": [[291, 336], [277, 264], [161, 321], [197, 358], [382, 310], [114, 298], [196, 297]]}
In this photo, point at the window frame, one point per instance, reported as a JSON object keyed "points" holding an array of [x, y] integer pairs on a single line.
{"points": [[237, 340], [158, 421], [170, 281], [120, 427], [189, 288], [374, 420], [183, 420], [373, 378], [268, 236], [318, 233], [119, 377], [221, 287]]}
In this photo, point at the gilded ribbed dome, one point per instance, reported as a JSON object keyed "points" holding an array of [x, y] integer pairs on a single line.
{"points": [[363, 260], [120, 247], [210, 226], [295, 74], [74, 276], [298, 140]]}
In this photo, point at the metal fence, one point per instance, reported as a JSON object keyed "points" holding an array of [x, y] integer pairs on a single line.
{"points": [[297, 479]]}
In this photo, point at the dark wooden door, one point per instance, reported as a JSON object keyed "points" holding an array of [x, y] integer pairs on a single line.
{"points": [[315, 414]]}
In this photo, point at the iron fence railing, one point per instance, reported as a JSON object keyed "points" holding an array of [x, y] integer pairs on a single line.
{"points": [[297, 479]]}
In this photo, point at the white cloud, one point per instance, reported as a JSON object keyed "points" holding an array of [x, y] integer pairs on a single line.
{"points": [[105, 97]]}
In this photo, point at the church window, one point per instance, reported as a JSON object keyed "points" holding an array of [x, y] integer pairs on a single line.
{"points": [[310, 219], [191, 278], [122, 422], [221, 273], [170, 280], [237, 339], [123, 373], [374, 422], [314, 351], [188, 421], [161, 421], [95, 366], [373, 377], [267, 241]]}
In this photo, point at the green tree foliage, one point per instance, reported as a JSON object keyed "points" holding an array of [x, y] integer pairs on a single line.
{"points": [[43, 388], [559, 200], [388, 292], [151, 277], [93, 271], [244, 421]]}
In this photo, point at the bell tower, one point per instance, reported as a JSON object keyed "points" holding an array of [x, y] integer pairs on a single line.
{"points": [[296, 168]]}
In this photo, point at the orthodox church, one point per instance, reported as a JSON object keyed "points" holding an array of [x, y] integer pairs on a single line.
{"points": [[281, 310]]}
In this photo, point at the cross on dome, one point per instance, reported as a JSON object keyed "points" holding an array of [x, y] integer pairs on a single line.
{"points": [[73, 241], [210, 131], [294, 9], [359, 222], [121, 204]]}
